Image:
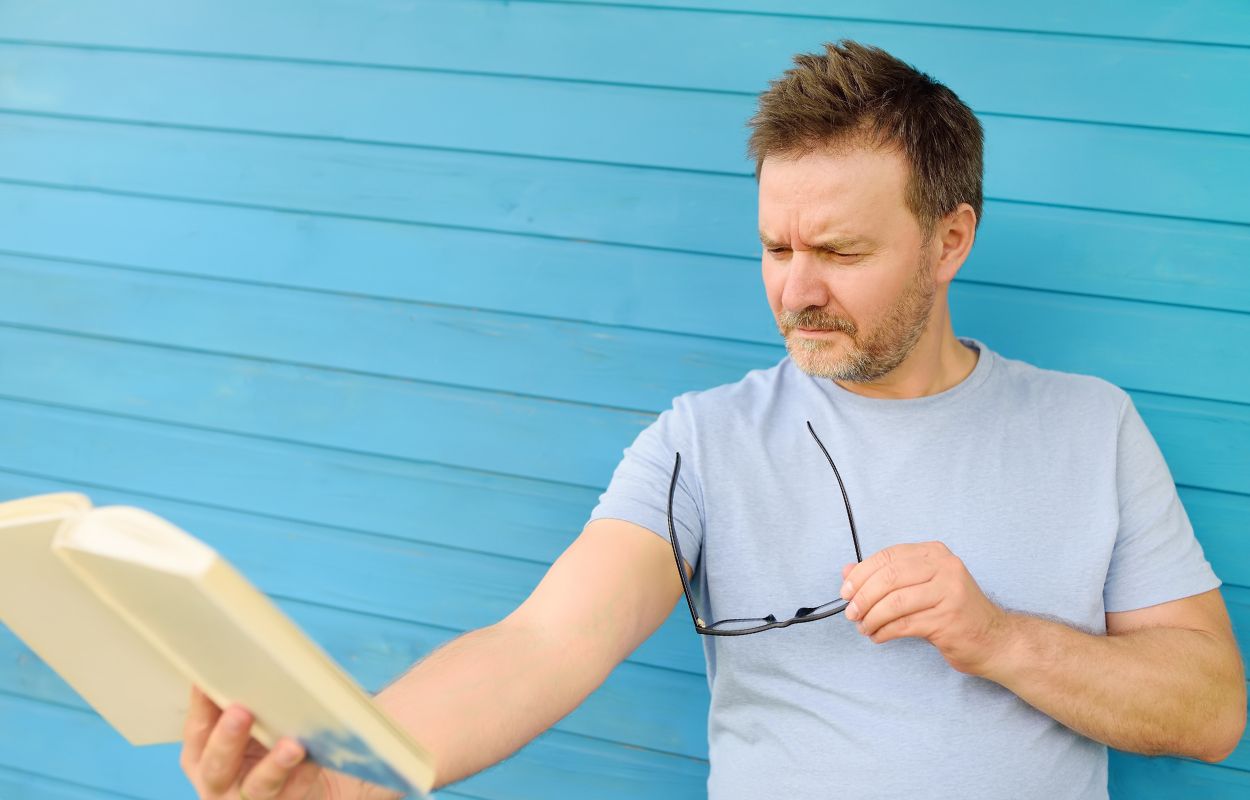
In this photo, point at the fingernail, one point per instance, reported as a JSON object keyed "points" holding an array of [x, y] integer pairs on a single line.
{"points": [[845, 591], [852, 611], [236, 722]]}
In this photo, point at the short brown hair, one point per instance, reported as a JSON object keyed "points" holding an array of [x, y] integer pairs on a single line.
{"points": [[857, 95]]}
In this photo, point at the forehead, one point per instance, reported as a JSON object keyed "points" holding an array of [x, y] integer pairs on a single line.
{"points": [[857, 192]]}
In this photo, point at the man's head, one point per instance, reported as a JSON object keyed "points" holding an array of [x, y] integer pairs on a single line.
{"points": [[870, 195]]}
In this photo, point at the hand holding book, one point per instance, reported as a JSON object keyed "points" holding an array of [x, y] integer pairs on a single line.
{"points": [[223, 761], [219, 755], [158, 633]]}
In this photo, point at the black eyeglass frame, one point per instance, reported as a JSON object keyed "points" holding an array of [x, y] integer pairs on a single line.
{"points": [[802, 614]]}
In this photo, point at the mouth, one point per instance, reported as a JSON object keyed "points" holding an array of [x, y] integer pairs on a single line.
{"points": [[816, 331]]}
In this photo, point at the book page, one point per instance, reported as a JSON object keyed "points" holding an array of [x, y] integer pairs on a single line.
{"points": [[112, 667]]}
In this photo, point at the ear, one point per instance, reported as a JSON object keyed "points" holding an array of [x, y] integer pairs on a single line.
{"points": [[952, 241]]}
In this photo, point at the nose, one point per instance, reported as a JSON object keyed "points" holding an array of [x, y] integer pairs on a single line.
{"points": [[805, 286]]}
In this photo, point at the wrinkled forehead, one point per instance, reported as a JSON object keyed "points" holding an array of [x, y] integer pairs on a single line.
{"points": [[852, 193]]}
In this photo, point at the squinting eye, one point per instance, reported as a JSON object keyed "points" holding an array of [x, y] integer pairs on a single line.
{"points": [[777, 250]]}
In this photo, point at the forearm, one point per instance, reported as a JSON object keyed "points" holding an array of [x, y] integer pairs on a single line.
{"points": [[1152, 691], [479, 698]]}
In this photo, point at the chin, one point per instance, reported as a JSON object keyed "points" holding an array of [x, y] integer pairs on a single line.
{"points": [[825, 360]]}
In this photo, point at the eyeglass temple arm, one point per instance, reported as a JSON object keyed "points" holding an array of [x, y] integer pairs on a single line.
{"points": [[845, 500], [672, 535]]}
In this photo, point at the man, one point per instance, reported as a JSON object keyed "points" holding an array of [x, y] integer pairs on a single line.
{"points": [[1032, 590]]}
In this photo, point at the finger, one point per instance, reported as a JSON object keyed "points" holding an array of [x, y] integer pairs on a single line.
{"points": [[266, 780], [223, 753], [919, 624], [898, 604], [301, 781], [861, 572], [894, 575], [202, 715]]}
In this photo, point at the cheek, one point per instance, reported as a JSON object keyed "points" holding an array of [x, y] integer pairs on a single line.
{"points": [[864, 296]]}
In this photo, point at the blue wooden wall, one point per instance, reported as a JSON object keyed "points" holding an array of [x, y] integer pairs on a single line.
{"points": [[371, 295]]}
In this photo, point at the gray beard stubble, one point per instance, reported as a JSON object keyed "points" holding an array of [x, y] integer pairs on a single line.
{"points": [[883, 350]]}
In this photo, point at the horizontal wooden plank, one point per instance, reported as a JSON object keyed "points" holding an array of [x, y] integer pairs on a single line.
{"points": [[464, 190], [340, 488], [625, 368], [1110, 80], [1042, 247], [1111, 254], [528, 519], [293, 488], [1165, 172], [1209, 21], [1161, 778], [387, 413], [1129, 343], [395, 418], [1219, 521], [16, 783], [558, 119], [1193, 432], [1119, 169], [376, 650], [449, 345], [80, 747]]}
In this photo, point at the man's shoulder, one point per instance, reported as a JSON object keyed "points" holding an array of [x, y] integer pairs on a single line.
{"points": [[1058, 390]]}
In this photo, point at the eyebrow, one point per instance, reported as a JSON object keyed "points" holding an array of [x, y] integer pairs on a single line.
{"points": [[836, 243]]}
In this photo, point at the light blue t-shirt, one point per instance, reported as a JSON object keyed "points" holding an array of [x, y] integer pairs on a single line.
{"points": [[1046, 484]]}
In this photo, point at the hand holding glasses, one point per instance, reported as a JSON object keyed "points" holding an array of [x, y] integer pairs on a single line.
{"points": [[741, 627]]}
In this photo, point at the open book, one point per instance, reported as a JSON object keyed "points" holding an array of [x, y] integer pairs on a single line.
{"points": [[130, 611]]}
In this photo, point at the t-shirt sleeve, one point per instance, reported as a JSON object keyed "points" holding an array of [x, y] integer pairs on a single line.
{"points": [[638, 491], [1156, 557]]}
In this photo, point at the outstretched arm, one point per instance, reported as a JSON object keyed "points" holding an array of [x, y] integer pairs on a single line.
{"points": [[484, 695]]}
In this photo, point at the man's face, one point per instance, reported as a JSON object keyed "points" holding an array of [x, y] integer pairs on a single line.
{"points": [[843, 259]]}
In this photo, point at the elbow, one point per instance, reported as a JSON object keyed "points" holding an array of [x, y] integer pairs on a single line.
{"points": [[1232, 729], [1228, 748]]}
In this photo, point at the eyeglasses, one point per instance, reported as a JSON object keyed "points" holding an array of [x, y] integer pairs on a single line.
{"points": [[741, 627]]}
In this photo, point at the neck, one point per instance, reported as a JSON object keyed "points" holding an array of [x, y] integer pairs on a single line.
{"points": [[937, 362]]}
